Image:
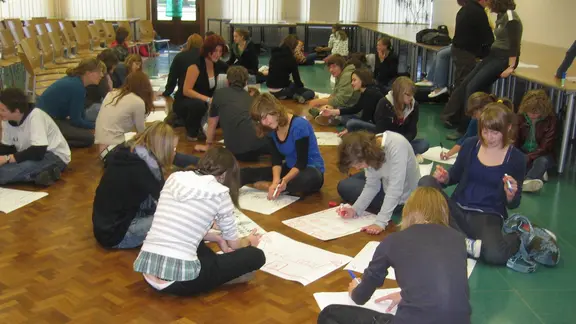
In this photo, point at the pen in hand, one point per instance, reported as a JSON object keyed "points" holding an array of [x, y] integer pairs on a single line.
{"points": [[353, 276]]}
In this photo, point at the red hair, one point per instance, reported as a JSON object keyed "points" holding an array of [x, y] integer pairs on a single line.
{"points": [[211, 43]]}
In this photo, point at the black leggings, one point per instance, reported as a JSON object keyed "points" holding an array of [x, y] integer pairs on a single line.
{"points": [[254, 155], [497, 247], [218, 269], [191, 110], [344, 314], [307, 181]]}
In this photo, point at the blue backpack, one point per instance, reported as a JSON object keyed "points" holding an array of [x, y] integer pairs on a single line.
{"points": [[537, 245]]}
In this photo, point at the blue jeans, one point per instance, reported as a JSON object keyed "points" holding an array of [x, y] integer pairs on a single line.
{"points": [[570, 56], [357, 124], [311, 58], [420, 145], [184, 160], [440, 67], [27, 171], [290, 91], [92, 112], [139, 227], [540, 166]]}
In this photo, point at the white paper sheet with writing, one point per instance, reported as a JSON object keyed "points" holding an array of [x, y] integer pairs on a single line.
{"points": [[296, 261], [342, 298], [425, 169], [257, 201], [245, 224], [157, 115], [433, 154], [12, 199], [321, 95], [328, 225], [156, 88], [327, 139]]}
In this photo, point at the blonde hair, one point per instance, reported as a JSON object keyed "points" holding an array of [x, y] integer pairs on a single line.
{"points": [[130, 59], [87, 65], [266, 104], [401, 86], [498, 117], [426, 205], [537, 102], [158, 138], [194, 41]]}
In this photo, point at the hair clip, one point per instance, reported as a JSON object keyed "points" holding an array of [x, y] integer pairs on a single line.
{"points": [[500, 101]]}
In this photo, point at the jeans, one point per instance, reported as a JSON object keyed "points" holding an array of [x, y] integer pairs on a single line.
{"points": [[218, 269], [27, 171], [136, 232], [440, 68], [539, 166], [420, 146], [344, 314], [91, 112], [307, 181], [191, 110], [290, 91], [310, 58], [570, 56], [184, 160], [75, 136], [356, 124], [497, 247]]}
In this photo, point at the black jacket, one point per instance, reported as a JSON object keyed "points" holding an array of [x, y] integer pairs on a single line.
{"points": [[178, 69], [282, 65], [386, 71], [126, 183], [386, 120], [248, 58], [202, 84], [367, 104], [473, 32]]}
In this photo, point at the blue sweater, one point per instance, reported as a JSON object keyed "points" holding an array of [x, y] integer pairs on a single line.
{"points": [[471, 131], [514, 165], [65, 98]]}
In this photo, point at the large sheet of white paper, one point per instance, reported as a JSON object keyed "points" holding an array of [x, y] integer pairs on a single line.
{"points": [[296, 261], [157, 115], [321, 95], [327, 139], [433, 154], [425, 169], [342, 298], [12, 199], [361, 261], [328, 225], [129, 136], [245, 224], [160, 102], [257, 201]]}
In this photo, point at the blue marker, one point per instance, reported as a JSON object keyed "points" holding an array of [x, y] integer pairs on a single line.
{"points": [[353, 276]]}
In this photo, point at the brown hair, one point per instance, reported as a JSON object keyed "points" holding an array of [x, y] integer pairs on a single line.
{"points": [[194, 41], [341, 35], [109, 58], [501, 6], [211, 43], [219, 161], [497, 117], [87, 65], [359, 147], [479, 100], [426, 205], [365, 75], [290, 41], [357, 59], [158, 138], [337, 27], [130, 59], [237, 76], [536, 102], [385, 40], [401, 86], [336, 59], [266, 104], [253, 91], [121, 34], [14, 98], [137, 83], [242, 33]]}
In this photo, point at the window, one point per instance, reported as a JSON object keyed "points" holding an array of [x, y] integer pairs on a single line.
{"points": [[305, 10], [349, 10], [405, 11], [263, 10], [188, 9], [25, 9]]}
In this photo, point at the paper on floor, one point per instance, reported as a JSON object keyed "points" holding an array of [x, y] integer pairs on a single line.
{"points": [[245, 224], [425, 169], [158, 115], [342, 298], [433, 154], [327, 138], [257, 201], [160, 102], [296, 261], [12, 199], [328, 225], [321, 95]]}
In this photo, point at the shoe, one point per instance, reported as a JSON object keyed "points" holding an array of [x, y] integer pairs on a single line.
{"points": [[314, 112], [424, 83], [47, 177], [419, 158], [473, 247], [300, 99], [545, 176], [550, 233], [243, 278], [532, 185], [327, 120], [435, 93], [454, 136]]}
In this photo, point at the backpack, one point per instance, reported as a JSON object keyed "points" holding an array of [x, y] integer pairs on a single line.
{"points": [[537, 245], [436, 37]]}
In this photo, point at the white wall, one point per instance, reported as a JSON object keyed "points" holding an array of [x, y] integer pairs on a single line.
{"points": [[545, 22], [137, 9], [324, 10]]}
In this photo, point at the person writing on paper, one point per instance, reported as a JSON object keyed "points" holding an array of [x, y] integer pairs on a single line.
{"points": [[390, 174], [174, 258], [489, 173], [476, 104], [297, 166], [536, 137], [432, 277], [32, 148]]}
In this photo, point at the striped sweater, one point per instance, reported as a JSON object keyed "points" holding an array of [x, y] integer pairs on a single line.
{"points": [[189, 203]]}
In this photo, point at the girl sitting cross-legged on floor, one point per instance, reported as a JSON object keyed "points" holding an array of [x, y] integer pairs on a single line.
{"points": [[297, 166], [399, 112], [390, 174], [489, 173], [432, 276], [174, 258]]}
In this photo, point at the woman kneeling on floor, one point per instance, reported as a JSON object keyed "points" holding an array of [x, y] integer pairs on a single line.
{"points": [[174, 258], [489, 172]]}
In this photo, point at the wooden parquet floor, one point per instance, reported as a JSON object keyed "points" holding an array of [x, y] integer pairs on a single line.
{"points": [[53, 271]]}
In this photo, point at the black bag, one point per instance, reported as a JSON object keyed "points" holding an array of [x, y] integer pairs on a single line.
{"points": [[436, 37]]}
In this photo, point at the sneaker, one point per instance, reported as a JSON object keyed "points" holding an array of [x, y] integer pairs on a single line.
{"points": [[424, 83], [550, 233], [473, 247], [545, 176], [44, 179], [300, 99], [532, 185], [419, 158], [314, 112], [438, 92], [243, 278]]}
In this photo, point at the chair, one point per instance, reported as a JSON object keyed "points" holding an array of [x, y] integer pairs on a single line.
{"points": [[48, 53], [30, 31], [56, 40], [83, 41], [37, 79], [146, 33], [15, 26]]}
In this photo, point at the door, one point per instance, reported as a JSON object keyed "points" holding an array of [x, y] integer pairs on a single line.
{"points": [[178, 19]]}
